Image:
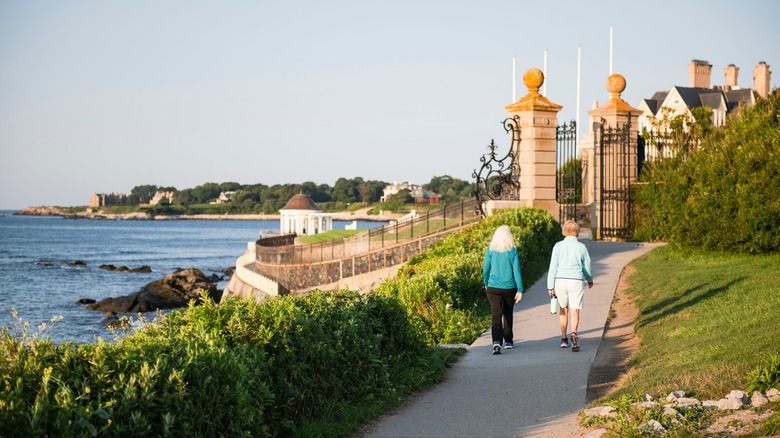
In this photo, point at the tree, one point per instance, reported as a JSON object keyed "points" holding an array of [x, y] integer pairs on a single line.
{"points": [[371, 191], [244, 196], [315, 192], [402, 197], [184, 196], [345, 190], [703, 120], [142, 194], [723, 194], [206, 192], [450, 189], [229, 187], [271, 206], [570, 175]]}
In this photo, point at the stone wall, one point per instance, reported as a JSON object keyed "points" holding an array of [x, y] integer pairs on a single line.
{"points": [[247, 283], [301, 277]]}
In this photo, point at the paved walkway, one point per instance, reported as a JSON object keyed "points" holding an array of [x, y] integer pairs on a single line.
{"points": [[533, 390]]}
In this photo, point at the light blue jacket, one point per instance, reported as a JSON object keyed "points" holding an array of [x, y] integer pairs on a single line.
{"points": [[570, 260], [502, 270]]}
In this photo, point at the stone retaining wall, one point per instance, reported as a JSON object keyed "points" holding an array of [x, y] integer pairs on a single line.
{"points": [[302, 277], [247, 283]]}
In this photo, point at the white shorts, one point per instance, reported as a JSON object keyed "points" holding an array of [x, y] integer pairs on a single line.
{"points": [[570, 293]]}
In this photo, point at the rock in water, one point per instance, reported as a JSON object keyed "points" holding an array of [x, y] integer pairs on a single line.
{"points": [[173, 290]]}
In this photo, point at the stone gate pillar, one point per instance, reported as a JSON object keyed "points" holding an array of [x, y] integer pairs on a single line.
{"points": [[538, 123], [616, 113]]}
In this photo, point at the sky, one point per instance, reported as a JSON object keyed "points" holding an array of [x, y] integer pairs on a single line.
{"points": [[102, 96]]}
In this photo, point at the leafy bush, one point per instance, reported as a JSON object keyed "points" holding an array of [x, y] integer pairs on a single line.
{"points": [[238, 368], [725, 193], [767, 377], [443, 286]]}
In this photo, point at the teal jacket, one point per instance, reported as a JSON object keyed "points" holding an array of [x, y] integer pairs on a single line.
{"points": [[502, 270], [570, 260]]}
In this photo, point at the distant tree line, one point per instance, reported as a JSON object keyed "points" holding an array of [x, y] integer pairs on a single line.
{"points": [[261, 198]]}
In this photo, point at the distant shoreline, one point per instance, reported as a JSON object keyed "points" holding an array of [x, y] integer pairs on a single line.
{"points": [[360, 215]]}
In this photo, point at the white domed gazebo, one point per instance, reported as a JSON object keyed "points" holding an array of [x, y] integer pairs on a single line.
{"points": [[303, 217]]}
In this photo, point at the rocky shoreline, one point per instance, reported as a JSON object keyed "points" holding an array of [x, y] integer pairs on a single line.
{"points": [[361, 215]]}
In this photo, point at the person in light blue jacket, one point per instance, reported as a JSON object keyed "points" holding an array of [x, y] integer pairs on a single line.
{"points": [[503, 285], [569, 268]]}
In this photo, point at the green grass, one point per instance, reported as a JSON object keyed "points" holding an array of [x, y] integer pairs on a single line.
{"points": [[407, 231], [705, 321], [329, 235], [117, 209]]}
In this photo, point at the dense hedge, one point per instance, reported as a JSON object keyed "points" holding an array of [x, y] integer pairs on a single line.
{"points": [[723, 195], [444, 285], [235, 369]]}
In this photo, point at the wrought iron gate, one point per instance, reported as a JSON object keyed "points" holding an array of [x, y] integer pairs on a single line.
{"points": [[617, 169], [568, 172], [499, 178]]}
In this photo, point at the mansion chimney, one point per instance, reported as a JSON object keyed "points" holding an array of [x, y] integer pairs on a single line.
{"points": [[732, 73], [761, 78], [700, 72]]}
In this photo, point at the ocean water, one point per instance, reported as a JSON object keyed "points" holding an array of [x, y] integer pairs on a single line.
{"points": [[39, 280]]}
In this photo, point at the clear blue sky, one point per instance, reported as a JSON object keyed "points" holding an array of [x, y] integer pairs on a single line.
{"points": [[101, 96]]}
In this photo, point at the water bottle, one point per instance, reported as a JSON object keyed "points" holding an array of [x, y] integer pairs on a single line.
{"points": [[554, 304]]}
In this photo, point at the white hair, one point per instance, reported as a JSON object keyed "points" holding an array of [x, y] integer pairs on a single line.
{"points": [[502, 239]]}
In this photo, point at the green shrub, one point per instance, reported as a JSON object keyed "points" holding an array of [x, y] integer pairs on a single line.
{"points": [[234, 369], [725, 193], [763, 378], [443, 286]]}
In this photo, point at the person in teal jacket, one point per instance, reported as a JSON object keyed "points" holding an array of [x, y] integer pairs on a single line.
{"points": [[503, 285], [569, 268]]}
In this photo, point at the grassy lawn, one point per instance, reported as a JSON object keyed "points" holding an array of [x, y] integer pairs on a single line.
{"points": [[329, 235], [705, 321]]}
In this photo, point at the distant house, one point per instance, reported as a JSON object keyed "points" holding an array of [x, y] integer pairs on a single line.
{"points": [[394, 188], [159, 196], [720, 99], [103, 199], [303, 217], [421, 196], [225, 197], [417, 193]]}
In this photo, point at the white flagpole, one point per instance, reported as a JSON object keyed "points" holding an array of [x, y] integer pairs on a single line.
{"points": [[579, 70], [610, 50], [544, 87], [514, 78]]}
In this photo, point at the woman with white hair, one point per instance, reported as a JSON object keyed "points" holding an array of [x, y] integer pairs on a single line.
{"points": [[569, 267], [503, 285]]}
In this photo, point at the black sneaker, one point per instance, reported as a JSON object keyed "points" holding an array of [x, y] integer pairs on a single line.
{"points": [[575, 345], [509, 345], [496, 348], [564, 343]]}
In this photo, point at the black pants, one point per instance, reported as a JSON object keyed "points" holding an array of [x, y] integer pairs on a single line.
{"points": [[502, 302]]}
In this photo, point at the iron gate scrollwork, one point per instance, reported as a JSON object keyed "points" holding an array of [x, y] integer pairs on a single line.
{"points": [[617, 167], [568, 172], [499, 178]]}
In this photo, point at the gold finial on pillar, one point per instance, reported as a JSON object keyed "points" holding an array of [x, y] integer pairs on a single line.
{"points": [[533, 80], [616, 84]]}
